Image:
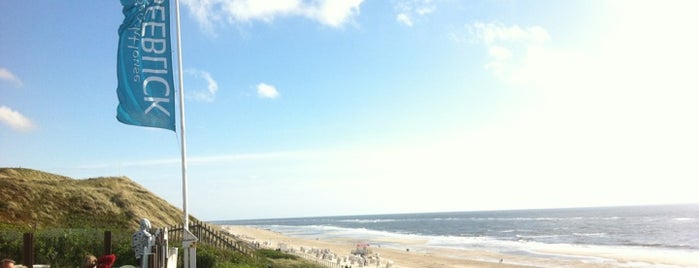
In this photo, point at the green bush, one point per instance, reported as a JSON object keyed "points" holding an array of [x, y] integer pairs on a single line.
{"points": [[205, 259], [236, 265], [211, 257], [11, 245], [67, 247], [275, 254]]}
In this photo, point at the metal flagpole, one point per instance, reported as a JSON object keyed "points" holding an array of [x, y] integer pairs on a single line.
{"points": [[188, 240], [182, 125]]}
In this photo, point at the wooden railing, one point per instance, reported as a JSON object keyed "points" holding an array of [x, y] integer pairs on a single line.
{"points": [[208, 235]]}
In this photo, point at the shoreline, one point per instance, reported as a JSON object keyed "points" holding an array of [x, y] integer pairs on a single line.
{"points": [[416, 252]]}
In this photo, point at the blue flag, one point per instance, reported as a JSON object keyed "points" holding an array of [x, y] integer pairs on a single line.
{"points": [[144, 65]]}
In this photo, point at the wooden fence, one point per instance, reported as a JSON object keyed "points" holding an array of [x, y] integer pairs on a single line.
{"points": [[209, 235]]}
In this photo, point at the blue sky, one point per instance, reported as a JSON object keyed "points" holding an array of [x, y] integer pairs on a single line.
{"points": [[309, 108]]}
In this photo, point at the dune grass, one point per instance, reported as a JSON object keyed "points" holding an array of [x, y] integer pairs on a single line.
{"points": [[68, 218]]}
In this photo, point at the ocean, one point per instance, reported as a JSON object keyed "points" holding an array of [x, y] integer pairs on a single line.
{"points": [[668, 230]]}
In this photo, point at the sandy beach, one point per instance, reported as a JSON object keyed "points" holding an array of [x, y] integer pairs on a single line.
{"points": [[420, 256]]}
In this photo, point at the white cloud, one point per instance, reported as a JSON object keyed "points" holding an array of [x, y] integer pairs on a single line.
{"points": [[202, 11], [334, 13], [262, 10], [424, 10], [491, 33], [211, 87], [409, 10], [404, 19], [212, 159], [267, 91], [507, 46], [15, 120], [10, 77]]}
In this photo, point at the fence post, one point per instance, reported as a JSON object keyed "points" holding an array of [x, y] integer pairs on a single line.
{"points": [[28, 250], [107, 242]]}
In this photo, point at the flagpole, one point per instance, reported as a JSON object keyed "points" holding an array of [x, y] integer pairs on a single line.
{"points": [[188, 239], [182, 121]]}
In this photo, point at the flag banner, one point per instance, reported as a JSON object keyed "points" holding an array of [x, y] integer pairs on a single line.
{"points": [[144, 65]]}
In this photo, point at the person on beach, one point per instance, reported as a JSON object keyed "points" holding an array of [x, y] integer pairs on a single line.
{"points": [[7, 263], [141, 239]]}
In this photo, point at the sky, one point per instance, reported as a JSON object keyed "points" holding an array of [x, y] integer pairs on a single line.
{"points": [[301, 108]]}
